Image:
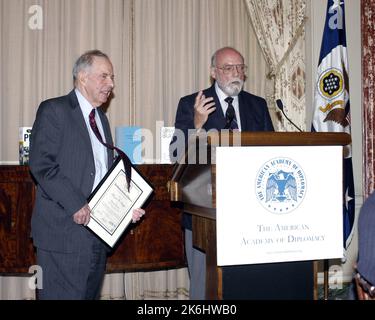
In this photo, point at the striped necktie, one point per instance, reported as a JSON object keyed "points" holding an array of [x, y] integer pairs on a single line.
{"points": [[123, 156], [230, 115]]}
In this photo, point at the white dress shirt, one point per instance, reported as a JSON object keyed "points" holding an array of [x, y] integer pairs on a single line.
{"points": [[224, 105], [99, 150]]}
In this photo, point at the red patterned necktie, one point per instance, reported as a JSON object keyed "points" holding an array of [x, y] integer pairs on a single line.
{"points": [[123, 156]]}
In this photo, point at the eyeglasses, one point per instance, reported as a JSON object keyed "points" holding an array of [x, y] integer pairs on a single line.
{"points": [[229, 68]]}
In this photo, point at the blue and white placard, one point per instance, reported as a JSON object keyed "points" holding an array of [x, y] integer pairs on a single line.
{"points": [[277, 204]]}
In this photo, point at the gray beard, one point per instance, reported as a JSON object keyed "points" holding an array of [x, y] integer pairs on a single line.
{"points": [[233, 88]]}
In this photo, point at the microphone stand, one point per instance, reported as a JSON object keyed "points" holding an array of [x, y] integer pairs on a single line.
{"points": [[280, 105]]}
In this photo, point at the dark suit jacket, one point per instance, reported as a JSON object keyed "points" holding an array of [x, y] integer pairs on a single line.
{"points": [[253, 113], [366, 240], [254, 116], [62, 163]]}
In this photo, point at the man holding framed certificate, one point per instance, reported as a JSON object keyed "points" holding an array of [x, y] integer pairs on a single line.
{"points": [[69, 161]]}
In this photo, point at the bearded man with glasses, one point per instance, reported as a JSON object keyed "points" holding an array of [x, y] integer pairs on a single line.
{"points": [[209, 109]]}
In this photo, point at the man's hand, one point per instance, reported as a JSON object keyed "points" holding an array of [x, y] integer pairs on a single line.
{"points": [[138, 214], [82, 216], [202, 108]]}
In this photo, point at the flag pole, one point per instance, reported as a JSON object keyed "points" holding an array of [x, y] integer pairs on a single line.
{"points": [[326, 280], [332, 107]]}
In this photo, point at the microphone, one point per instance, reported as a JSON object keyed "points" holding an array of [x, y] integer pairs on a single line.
{"points": [[229, 118], [280, 105]]}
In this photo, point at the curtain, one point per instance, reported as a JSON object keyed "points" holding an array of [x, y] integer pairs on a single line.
{"points": [[165, 284], [175, 46], [279, 26], [40, 40], [160, 50]]}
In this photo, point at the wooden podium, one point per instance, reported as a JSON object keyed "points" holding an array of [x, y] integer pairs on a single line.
{"points": [[194, 184]]}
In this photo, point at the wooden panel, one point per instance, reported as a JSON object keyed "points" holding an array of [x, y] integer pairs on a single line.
{"points": [[16, 201], [281, 138], [193, 180], [204, 238], [155, 242]]}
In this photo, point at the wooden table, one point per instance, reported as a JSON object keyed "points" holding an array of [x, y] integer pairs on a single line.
{"points": [[154, 243]]}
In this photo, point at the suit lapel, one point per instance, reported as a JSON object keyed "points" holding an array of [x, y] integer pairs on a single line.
{"points": [[216, 119], [245, 113], [242, 110], [78, 118], [82, 127], [81, 124]]}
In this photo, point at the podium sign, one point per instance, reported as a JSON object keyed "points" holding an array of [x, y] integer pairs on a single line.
{"points": [[278, 204]]}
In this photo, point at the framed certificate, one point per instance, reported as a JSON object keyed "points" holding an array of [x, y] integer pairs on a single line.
{"points": [[112, 204]]}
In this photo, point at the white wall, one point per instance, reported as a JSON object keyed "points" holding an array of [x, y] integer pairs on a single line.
{"points": [[316, 11]]}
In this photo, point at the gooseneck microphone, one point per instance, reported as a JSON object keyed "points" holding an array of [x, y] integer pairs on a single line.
{"points": [[280, 105]]}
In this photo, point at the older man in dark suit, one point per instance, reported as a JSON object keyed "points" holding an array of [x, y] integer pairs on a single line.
{"points": [[68, 161], [207, 109], [222, 106], [366, 249]]}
